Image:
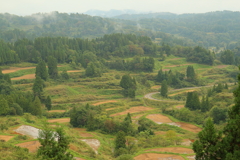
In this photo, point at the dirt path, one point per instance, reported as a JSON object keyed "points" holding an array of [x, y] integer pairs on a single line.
{"points": [[179, 150], [156, 156], [132, 110]]}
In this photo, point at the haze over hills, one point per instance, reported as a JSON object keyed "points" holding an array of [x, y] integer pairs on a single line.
{"points": [[110, 13]]}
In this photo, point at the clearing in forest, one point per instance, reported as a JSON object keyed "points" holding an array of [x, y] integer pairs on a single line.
{"points": [[28, 76], [5, 138], [156, 156], [159, 119], [93, 143], [32, 146], [110, 101], [11, 70], [179, 150], [82, 132], [60, 111], [133, 110], [60, 120]]}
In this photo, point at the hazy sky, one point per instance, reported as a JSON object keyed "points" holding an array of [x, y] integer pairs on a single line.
{"points": [[27, 7]]}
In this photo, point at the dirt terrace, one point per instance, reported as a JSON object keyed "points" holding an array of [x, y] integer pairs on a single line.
{"points": [[12, 69], [32, 146], [99, 103], [28, 76], [5, 138], [179, 150], [93, 143], [60, 111], [82, 132], [133, 110], [60, 120], [155, 156]]}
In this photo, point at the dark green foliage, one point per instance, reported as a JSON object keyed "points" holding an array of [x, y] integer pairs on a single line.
{"points": [[164, 89], [54, 144], [64, 75], [17, 108], [52, 67], [36, 108], [120, 143], [192, 101], [7, 78], [227, 57], [219, 114], [48, 103], [207, 147], [93, 70], [191, 73], [129, 86], [205, 106], [4, 107], [41, 70], [38, 87]]}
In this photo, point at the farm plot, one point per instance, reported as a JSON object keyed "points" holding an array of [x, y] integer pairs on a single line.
{"points": [[82, 132], [5, 138], [60, 120], [133, 110], [99, 103], [11, 70], [159, 119], [93, 143], [179, 150], [28, 130], [59, 111], [32, 146], [28, 76], [155, 156]]}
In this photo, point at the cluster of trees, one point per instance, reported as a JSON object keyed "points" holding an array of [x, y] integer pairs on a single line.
{"points": [[137, 64], [193, 102], [129, 86], [224, 144]]}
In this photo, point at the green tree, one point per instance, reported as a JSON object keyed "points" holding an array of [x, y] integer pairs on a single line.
{"points": [[48, 103], [37, 107], [38, 87], [54, 144], [41, 70], [207, 147], [52, 67], [4, 108], [120, 143], [191, 73], [129, 86], [65, 75], [164, 89]]}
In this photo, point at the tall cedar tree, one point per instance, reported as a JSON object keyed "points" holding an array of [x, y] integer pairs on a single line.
{"points": [[41, 70], [191, 73], [129, 86], [192, 101], [38, 87], [54, 144], [4, 108], [231, 140], [52, 67], [48, 103], [164, 89], [120, 143], [37, 107], [207, 147]]}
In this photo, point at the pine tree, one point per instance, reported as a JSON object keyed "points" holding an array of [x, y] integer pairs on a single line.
{"points": [[37, 108], [48, 103], [164, 89], [4, 108], [52, 67], [207, 147], [191, 73], [65, 75], [38, 87], [41, 70]]}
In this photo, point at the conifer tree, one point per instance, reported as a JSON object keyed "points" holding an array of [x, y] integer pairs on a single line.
{"points": [[41, 70], [120, 143], [191, 73], [38, 87], [164, 89], [4, 108], [37, 108], [52, 67], [48, 103]]}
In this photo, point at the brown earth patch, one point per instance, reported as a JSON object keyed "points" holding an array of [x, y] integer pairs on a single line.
{"points": [[137, 116], [155, 87], [155, 156], [189, 127], [132, 110], [93, 143], [181, 92], [179, 106], [221, 66], [15, 69], [77, 158], [160, 132], [28, 76], [110, 101], [60, 120], [57, 111], [82, 132], [5, 138], [165, 70], [179, 150], [159, 119], [32, 146], [179, 65]]}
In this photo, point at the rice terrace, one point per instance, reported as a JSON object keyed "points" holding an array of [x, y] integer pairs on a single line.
{"points": [[81, 87]]}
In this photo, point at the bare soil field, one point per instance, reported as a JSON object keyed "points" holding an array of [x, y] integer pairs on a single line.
{"points": [[61, 111], [82, 132], [158, 118], [93, 143], [189, 127], [155, 87], [173, 150], [181, 92], [28, 76], [60, 120], [179, 106], [28, 130], [221, 66], [132, 110], [5, 138], [32, 146], [13, 69], [155, 156], [110, 101]]}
